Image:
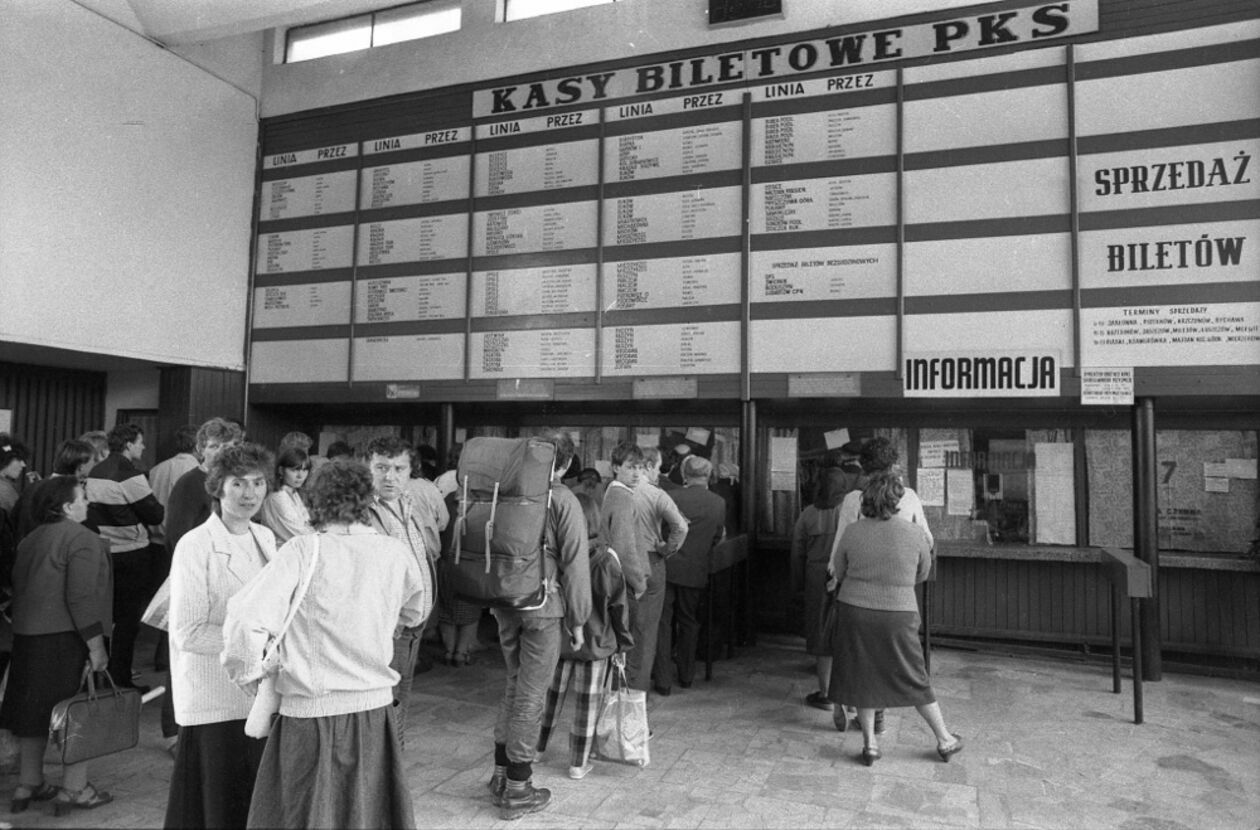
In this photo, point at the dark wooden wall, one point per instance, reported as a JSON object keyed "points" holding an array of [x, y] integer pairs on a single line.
{"points": [[193, 395], [49, 406]]}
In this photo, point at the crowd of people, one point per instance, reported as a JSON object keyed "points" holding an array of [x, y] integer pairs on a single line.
{"points": [[312, 580]]}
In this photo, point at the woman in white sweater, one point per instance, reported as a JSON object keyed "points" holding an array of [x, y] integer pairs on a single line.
{"points": [[215, 763]]}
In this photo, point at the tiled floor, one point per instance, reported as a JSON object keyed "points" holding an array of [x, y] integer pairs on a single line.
{"points": [[1048, 746]]}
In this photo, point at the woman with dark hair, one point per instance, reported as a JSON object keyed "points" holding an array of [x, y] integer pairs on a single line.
{"points": [[284, 511], [12, 468], [879, 560], [61, 610], [333, 757], [215, 762], [812, 539]]}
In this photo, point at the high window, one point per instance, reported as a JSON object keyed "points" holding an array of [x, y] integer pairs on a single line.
{"points": [[364, 31], [521, 9]]}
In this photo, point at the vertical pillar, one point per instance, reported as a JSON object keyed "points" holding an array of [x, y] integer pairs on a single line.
{"points": [[1146, 533], [749, 478], [446, 434]]}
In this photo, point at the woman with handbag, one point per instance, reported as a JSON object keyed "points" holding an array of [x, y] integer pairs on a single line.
{"points": [[215, 762], [333, 600], [879, 559], [62, 609]]}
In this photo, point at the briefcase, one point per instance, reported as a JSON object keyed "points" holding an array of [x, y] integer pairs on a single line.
{"points": [[95, 722]]}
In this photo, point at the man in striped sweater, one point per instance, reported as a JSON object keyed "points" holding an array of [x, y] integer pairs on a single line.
{"points": [[120, 507]]}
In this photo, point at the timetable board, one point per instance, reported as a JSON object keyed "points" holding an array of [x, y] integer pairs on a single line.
{"points": [[695, 218]]}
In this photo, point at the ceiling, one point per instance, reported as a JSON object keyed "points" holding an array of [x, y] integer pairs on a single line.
{"points": [[177, 22]]}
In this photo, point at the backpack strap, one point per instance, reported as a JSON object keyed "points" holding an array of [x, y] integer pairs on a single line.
{"points": [[494, 506], [461, 522]]}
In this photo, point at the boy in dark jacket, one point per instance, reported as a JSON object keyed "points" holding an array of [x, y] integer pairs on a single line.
{"points": [[584, 669]]}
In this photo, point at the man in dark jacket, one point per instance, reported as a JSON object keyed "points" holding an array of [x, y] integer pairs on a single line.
{"points": [[687, 574], [121, 506]]}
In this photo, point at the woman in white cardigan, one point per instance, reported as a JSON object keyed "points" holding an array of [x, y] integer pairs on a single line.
{"points": [[216, 763]]}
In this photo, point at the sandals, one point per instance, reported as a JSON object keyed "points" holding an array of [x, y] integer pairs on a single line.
{"points": [[44, 792], [88, 798], [870, 755], [462, 658], [950, 749]]}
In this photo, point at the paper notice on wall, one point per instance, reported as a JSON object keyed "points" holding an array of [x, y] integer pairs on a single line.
{"points": [[960, 492], [1054, 493], [836, 438], [6, 420], [930, 485], [1215, 485], [932, 453], [1107, 387], [698, 435], [1215, 469], [1240, 467], [782, 463]]}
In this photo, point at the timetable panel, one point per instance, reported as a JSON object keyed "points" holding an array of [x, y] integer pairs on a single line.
{"points": [[312, 249], [672, 349], [676, 282], [414, 182], [558, 227], [703, 148], [309, 304], [545, 167], [832, 203], [402, 299], [534, 353], [409, 357], [418, 239], [668, 217], [307, 195], [552, 289]]}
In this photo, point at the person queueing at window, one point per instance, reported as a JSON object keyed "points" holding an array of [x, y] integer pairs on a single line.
{"points": [[606, 637]]}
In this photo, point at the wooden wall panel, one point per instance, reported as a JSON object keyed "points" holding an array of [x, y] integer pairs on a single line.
{"points": [[193, 395], [51, 405]]}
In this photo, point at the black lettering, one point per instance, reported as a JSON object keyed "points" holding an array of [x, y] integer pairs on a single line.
{"points": [[947, 33], [503, 100], [846, 49], [1054, 17]]}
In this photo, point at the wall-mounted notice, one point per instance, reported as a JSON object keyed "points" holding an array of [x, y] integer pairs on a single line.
{"points": [[418, 239], [551, 289], [701, 213], [672, 283], [414, 182], [307, 195], [782, 463], [309, 304], [812, 274], [981, 375], [832, 203], [682, 349], [546, 167], [1107, 387], [401, 299], [960, 492], [703, 148], [1166, 176], [313, 249], [556, 227], [929, 483], [409, 356], [1186, 334], [933, 453], [533, 353]]}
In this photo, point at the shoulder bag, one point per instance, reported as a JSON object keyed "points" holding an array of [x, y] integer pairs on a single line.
{"points": [[95, 722]]}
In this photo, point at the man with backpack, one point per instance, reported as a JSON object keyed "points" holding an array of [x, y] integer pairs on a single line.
{"points": [[531, 640]]}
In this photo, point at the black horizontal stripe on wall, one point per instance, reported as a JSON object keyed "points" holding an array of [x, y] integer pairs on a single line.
{"points": [[683, 315], [458, 207], [824, 169], [674, 184], [673, 121], [1005, 301], [304, 277], [826, 309], [537, 259], [879, 235], [678, 248], [1196, 294], [1171, 215], [1172, 59], [537, 138], [1170, 136], [979, 228], [962, 156], [834, 102], [403, 328], [996, 82], [412, 269], [534, 322], [393, 157], [340, 333], [312, 168], [301, 223], [558, 196]]}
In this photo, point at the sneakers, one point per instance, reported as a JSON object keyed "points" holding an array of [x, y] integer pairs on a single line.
{"points": [[522, 798], [497, 785], [578, 773]]}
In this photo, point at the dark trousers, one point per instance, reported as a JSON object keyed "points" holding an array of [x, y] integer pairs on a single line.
{"points": [[645, 619], [133, 587], [680, 628]]}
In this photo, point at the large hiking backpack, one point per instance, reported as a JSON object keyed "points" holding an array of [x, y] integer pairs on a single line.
{"points": [[495, 554]]}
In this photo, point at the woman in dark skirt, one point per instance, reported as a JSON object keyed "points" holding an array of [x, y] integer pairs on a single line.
{"points": [[879, 560], [215, 763], [62, 589], [333, 757]]}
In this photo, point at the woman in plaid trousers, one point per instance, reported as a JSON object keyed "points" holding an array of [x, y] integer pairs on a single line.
{"points": [[607, 636]]}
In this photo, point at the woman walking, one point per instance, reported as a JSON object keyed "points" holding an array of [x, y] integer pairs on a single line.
{"points": [[215, 762], [879, 559]]}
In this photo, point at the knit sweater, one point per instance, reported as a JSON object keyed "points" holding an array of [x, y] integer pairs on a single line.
{"points": [[209, 566], [62, 582], [121, 504], [620, 532], [879, 562]]}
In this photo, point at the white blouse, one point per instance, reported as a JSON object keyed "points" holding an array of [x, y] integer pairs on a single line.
{"points": [[286, 514]]}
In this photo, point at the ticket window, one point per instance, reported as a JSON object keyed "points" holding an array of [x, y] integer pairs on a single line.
{"points": [[998, 487]]}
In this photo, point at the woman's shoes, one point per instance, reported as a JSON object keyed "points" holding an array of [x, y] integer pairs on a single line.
{"points": [[462, 658], [870, 755], [88, 798], [949, 750], [819, 701], [44, 792]]}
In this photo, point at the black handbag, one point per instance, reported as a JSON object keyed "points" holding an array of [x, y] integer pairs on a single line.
{"points": [[830, 638], [95, 722]]}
